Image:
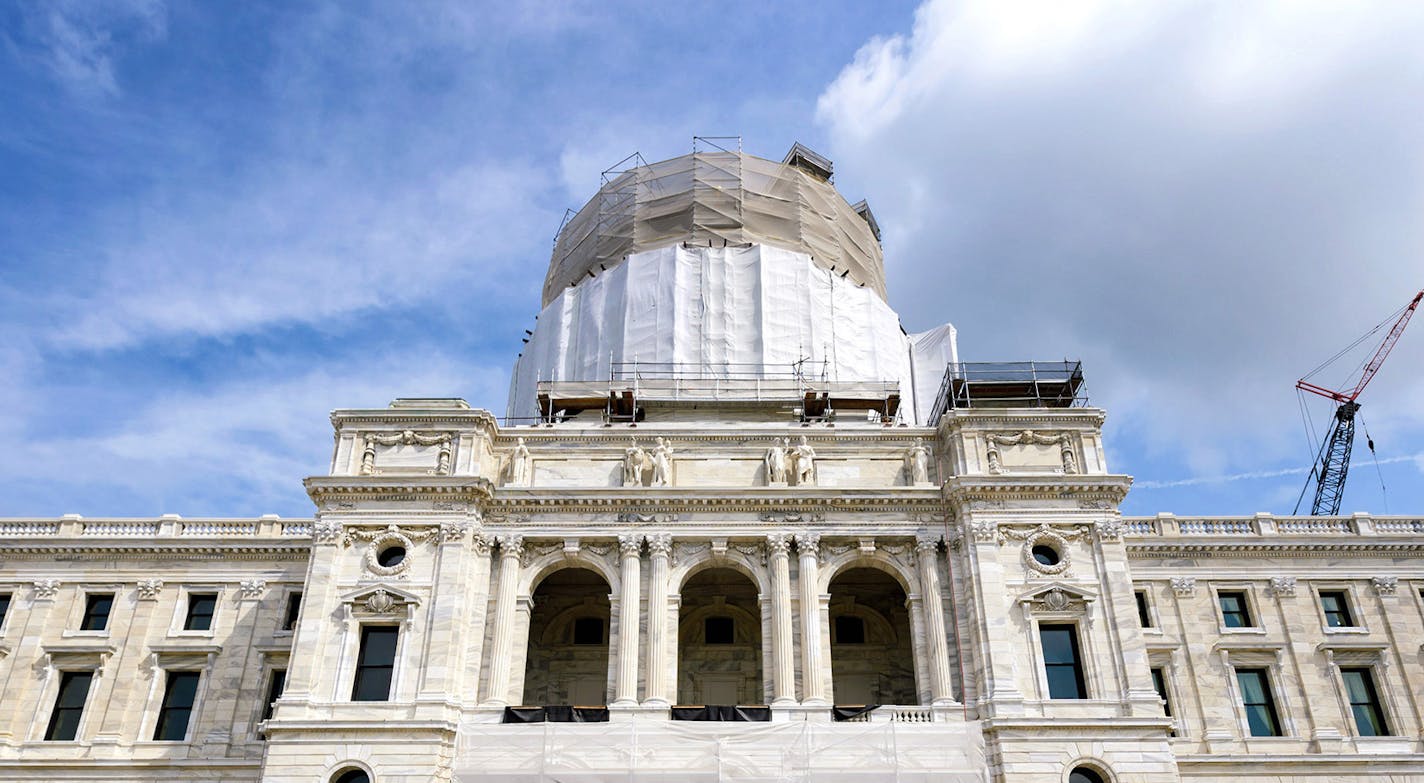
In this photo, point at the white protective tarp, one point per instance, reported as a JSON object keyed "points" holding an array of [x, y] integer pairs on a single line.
{"points": [[645, 751], [711, 309]]}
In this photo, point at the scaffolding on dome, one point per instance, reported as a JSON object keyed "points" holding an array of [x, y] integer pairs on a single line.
{"points": [[718, 196], [1010, 385]]}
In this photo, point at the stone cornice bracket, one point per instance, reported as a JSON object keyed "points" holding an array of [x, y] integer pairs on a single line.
{"points": [[251, 589], [510, 545], [1384, 585], [1283, 586], [1184, 586], [630, 544], [148, 589], [45, 589], [1108, 530], [778, 543], [660, 544]]}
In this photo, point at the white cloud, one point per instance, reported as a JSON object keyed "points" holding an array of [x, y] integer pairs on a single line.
{"points": [[1200, 200], [81, 40]]}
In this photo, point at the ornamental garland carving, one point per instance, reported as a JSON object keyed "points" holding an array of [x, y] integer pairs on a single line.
{"points": [[1064, 442], [793, 517], [1043, 535], [637, 518], [380, 602], [682, 550], [406, 438], [532, 552], [379, 541]]}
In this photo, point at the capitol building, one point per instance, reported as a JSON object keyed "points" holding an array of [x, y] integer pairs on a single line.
{"points": [[735, 524]]}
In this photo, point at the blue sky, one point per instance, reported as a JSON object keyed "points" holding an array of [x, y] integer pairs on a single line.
{"points": [[217, 223]]}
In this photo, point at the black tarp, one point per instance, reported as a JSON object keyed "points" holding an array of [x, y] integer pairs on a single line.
{"points": [[847, 711], [556, 713], [722, 712]]}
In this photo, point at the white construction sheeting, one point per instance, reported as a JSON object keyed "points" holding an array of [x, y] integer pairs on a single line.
{"points": [[711, 309], [641, 751]]}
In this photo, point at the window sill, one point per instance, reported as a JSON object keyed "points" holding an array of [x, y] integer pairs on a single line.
{"points": [[1351, 629], [1255, 630], [104, 634], [184, 634]]}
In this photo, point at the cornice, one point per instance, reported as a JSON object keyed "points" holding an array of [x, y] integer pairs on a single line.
{"points": [[619, 437], [904, 499], [1139, 549], [1018, 418], [1110, 487], [463, 488], [156, 549]]}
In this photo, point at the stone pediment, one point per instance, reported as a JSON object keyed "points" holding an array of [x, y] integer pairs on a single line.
{"points": [[1057, 597], [381, 601]]}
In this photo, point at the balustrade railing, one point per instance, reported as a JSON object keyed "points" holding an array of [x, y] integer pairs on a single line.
{"points": [[161, 527], [1172, 526]]}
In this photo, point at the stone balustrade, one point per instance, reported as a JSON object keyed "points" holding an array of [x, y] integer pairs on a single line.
{"points": [[167, 526], [1173, 526]]}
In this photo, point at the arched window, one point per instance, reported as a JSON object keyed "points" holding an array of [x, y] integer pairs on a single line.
{"points": [[1084, 775], [351, 776]]}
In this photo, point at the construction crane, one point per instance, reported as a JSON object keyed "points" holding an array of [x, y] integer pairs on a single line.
{"points": [[1332, 464]]}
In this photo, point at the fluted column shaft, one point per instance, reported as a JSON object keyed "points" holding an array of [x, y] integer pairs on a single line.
{"points": [[783, 681], [511, 548], [659, 550], [808, 547], [932, 605], [626, 691]]}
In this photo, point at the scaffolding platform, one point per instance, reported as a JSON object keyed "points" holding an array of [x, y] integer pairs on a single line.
{"points": [[1010, 385]]}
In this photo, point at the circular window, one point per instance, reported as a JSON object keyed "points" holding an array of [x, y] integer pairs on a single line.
{"points": [[1045, 554], [1084, 775], [391, 556], [351, 776]]}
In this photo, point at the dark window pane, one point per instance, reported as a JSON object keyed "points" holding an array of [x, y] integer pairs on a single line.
{"points": [[274, 691], [69, 705], [391, 556], [4, 606], [1260, 705], [1144, 617], [1159, 684], [1061, 662], [718, 630], [850, 629], [96, 612], [1364, 702], [1234, 613], [1045, 555], [200, 612], [1084, 775], [352, 776], [588, 630], [294, 608], [1337, 610], [179, 694], [375, 664]]}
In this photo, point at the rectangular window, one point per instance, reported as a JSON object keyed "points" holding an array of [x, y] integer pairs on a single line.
{"points": [[1062, 662], [588, 630], [850, 629], [1260, 705], [376, 663], [1234, 612], [200, 611], [1364, 702], [4, 607], [69, 706], [96, 612], [274, 691], [294, 608], [1144, 617], [718, 630], [1159, 684], [179, 694], [1337, 609]]}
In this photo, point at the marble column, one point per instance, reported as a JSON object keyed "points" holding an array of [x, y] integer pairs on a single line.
{"points": [[783, 681], [626, 690], [932, 605], [659, 549], [808, 547], [511, 548]]}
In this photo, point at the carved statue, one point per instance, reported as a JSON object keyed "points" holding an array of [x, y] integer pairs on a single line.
{"points": [[918, 459], [995, 466], [776, 461], [805, 463], [520, 465], [635, 463], [662, 464]]}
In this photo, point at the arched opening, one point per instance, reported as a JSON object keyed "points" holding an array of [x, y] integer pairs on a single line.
{"points": [[872, 655], [351, 776], [568, 640], [1085, 775], [719, 640]]}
